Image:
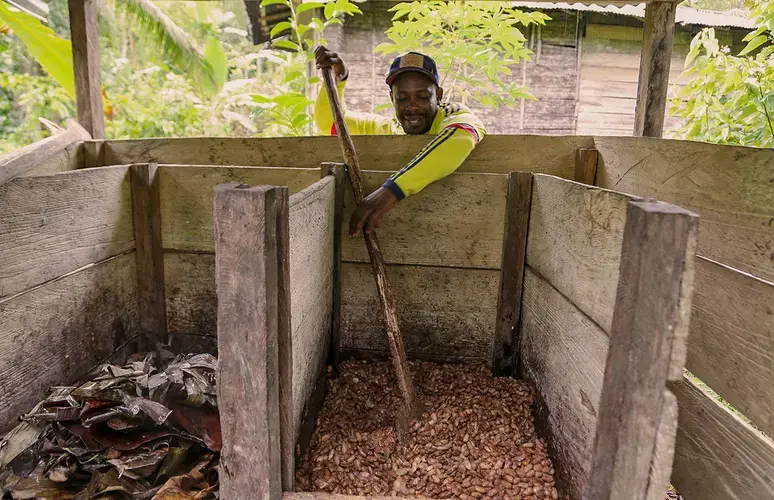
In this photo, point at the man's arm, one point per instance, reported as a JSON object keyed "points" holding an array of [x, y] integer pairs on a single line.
{"points": [[442, 156], [357, 123]]}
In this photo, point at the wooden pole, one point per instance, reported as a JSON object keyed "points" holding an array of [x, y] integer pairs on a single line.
{"points": [[149, 256], [505, 355], [84, 33], [394, 336], [248, 271], [655, 60], [637, 415]]}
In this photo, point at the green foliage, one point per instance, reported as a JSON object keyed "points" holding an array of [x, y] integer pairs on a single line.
{"points": [[288, 106], [730, 99], [474, 43], [51, 52]]}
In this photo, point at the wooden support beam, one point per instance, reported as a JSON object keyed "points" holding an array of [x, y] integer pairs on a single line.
{"points": [[586, 165], [657, 41], [84, 33], [636, 424], [338, 170], [248, 272], [505, 354], [146, 214]]}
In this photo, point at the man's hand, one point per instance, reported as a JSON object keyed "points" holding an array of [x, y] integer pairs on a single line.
{"points": [[324, 58], [368, 214]]}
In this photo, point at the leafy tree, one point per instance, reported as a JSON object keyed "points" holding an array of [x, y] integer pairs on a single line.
{"points": [[475, 44], [730, 99], [288, 106]]}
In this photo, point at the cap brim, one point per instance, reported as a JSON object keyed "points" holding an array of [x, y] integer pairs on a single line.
{"points": [[400, 71]]}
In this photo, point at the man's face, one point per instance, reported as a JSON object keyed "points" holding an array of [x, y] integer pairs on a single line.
{"points": [[415, 98]]}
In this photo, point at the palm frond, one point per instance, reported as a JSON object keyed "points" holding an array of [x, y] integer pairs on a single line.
{"points": [[177, 45]]}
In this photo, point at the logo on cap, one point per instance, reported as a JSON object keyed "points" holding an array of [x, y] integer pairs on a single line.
{"points": [[413, 61]]}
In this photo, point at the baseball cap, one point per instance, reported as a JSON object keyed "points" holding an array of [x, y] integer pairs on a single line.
{"points": [[413, 61]]}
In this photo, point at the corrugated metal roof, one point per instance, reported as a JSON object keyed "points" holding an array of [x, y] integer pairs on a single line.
{"points": [[685, 15]]}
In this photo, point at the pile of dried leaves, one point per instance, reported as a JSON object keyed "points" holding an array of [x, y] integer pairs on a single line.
{"points": [[476, 438], [145, 430]]}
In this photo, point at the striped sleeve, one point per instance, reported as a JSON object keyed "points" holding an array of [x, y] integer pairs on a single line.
{"points": [[442, 156]]}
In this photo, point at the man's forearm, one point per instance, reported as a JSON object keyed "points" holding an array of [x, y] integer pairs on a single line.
{"points": [[442, 156]]}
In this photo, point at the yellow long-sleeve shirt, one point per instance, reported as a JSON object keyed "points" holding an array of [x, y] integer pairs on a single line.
{"points": [[457, 132]]}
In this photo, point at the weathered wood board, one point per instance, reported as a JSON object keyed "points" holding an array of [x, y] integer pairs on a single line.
{"points": [[191, 298], [718, 456], [186, 198], [54, 224], [574, 242], [444, 313], [578, 252], [728, 186], [732, 339], [311, 280], [56, 153], [436, 227], [55, 333], [563, 353], [495, 154]]}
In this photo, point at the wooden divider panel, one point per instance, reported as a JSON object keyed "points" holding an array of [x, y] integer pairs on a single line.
{"points": [[51, 225], [574, 243], [311, 281], [186, 198], [444, 313], [454, 222], [718, 456], [728, 186], [495, 154], [55, 333]]}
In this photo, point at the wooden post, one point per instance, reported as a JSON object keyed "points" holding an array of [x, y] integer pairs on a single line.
{"points": [[586, 165], [84, 33], [505, 354], [338, 170], [248, 270], [655, 60], [647, 346], [149, 255]]}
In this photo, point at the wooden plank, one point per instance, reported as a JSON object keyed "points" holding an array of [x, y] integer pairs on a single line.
{"points": [[630, 60], [732, 339], [574, 242], [563, 354], [505, 354], [655, 281], [657, 41], [594, 89], [149, 254], [626, 75], [311, 287], [55, 333], [718, 456], [288, 432], [338, 170], [41, 154], [586, 165], [52, 225], [446, 313], [495, 154], [728, 186], [84, 33], [191, 299], [247, 273], [439, 217], [664, 449], [186, 198]]}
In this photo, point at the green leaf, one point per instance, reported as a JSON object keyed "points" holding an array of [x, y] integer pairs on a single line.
{"points": [[287, 44], [215, 56], [309, 6], [265, 3], [330, 9], [262, 99], [279, 28], [754, 44], [54, 54], [314, 79]]}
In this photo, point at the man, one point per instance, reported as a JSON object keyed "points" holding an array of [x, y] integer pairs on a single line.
{"points": [[416, 96]]}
